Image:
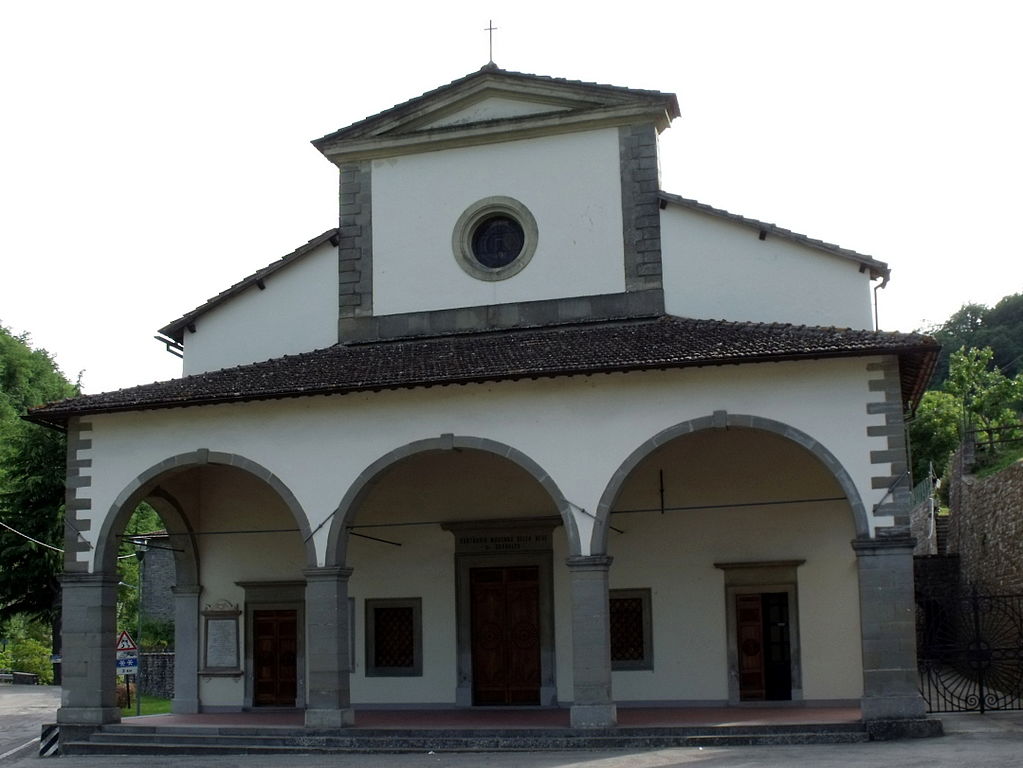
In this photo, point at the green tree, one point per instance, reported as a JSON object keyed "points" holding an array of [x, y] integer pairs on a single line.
{"points": [[987, 398], [27, 645], [1003, 332], [975, 325], [976, 396], [31, 484], [144, 520], [934, 433]]}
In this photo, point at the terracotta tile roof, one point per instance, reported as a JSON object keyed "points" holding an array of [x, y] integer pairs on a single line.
{"points": [[549, 351], [877, 268]]}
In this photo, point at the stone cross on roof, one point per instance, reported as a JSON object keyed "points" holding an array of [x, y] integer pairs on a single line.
{"points": [[491, 29]]}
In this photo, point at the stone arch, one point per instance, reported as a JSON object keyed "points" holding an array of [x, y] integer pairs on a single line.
{"points": [[722, 420], [336, 542], [147, 483]]}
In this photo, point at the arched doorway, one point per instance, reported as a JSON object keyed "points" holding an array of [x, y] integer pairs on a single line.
{"points": [[454, 545], [233, 528], [733, 578]]}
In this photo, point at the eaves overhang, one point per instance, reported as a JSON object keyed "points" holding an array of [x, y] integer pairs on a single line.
{"points": [[626, 346]]}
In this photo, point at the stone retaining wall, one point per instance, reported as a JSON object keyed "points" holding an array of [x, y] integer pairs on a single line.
{"points": [[157, 677], [986, 527]]}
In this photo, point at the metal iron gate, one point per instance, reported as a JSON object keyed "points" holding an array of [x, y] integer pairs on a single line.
{"points": [[970, 652]]}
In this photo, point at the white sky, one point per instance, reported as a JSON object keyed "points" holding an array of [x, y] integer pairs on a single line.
{"points": [[153, 153]]}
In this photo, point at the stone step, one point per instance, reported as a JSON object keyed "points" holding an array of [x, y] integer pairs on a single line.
{"points": [[131, 740], [632, 731]]}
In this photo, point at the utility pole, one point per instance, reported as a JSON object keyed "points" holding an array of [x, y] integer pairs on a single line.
{"points": [[140, 554]]}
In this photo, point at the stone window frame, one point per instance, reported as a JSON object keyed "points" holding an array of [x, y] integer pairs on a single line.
{"points": [[371, 605], [465, 227], [647, 662]]}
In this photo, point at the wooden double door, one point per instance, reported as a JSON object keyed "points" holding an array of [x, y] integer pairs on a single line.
{"points": [[275, 656], [505, 635]]}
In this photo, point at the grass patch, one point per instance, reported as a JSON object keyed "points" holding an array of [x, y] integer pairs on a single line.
{"points": [[995, 464], [151, 705]]}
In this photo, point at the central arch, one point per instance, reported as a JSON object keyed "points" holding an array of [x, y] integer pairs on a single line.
{"points": [[468, 598], [337, 541]]}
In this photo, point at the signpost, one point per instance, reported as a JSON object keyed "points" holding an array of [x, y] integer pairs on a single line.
{"points": [[127, 661]]}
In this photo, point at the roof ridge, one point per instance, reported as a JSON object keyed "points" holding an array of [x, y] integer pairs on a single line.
{"points": [[488, 332]]}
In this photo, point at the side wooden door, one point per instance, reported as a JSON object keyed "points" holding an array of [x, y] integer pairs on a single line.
{"points": [[765, 658]]}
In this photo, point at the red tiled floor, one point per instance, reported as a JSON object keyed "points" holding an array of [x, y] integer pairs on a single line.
{"points": [[521, 718]]}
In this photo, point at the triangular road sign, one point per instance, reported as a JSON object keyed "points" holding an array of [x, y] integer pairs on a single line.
{"points": [[125, 643]]}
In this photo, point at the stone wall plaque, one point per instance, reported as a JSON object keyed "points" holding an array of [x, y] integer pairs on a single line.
{"points": [[221, 654], [502, 536]]}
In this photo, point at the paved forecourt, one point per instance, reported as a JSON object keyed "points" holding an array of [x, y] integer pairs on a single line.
{"points": [[978, 741]]}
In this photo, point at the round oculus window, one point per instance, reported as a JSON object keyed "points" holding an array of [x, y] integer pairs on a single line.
{"points": [[497, 241], [494, 238]]}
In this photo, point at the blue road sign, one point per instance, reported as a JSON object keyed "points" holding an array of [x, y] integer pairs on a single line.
{"points": [[128, 665]]}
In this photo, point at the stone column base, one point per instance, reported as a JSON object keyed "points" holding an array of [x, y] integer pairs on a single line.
{"points": [[184, 706], [329, 718], [594, 716], [893, 707], [904, 728], [88, 715]]}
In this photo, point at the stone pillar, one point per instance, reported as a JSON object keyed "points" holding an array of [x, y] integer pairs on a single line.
{"points": [[89, 637], [328, 703], [186, 650], [592, 705], [888, 628]]}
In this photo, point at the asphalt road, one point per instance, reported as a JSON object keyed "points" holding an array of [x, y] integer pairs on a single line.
{"points": [[971, 741], [23, 709]]}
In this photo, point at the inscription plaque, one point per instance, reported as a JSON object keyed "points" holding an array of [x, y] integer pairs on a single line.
{"points": [[220, 647], [222, 643]]}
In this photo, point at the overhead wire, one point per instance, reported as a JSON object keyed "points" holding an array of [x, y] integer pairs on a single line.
{"points": [[26, 536]]}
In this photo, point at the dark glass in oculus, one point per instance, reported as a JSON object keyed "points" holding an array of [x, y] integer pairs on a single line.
{"points": [[497, 241]]}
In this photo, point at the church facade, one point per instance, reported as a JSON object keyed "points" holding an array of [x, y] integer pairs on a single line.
{"points": [[523, 430]]}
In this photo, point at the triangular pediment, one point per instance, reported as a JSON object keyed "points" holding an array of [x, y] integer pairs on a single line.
{"points": [[495, 105]]}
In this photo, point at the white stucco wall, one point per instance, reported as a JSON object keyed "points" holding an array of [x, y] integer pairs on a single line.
{"points": [[570, 183], [297, 312], [318, 446], [422, 567], [718, 269]]}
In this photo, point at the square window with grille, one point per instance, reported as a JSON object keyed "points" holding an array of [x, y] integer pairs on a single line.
{"points": [[394, 637], [630, 624]]}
